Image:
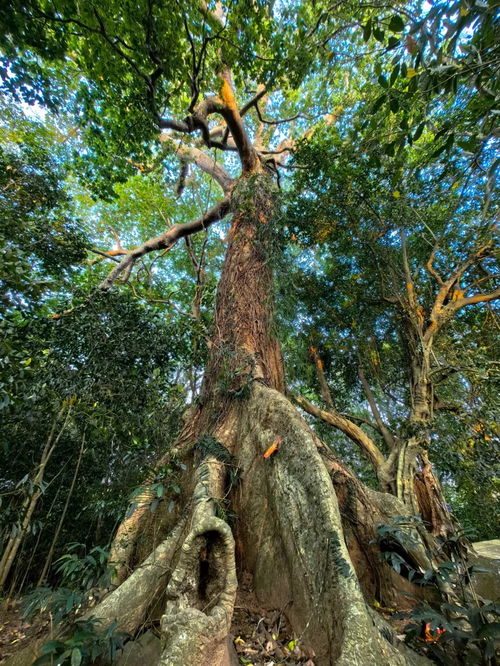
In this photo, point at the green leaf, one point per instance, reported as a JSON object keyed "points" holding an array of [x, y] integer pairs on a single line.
{"points": [[389, 149], [367, 30], [490, 630], [383, 81], [76, 657], [418, 131], [394, 104], [394, 75], [378, 103], [51, 646], [396, 24]]}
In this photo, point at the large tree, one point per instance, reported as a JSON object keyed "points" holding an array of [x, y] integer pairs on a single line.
{"points": [[211, 76]]}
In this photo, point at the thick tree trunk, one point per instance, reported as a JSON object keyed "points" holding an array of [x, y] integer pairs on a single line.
{"points": [[288, 533]]}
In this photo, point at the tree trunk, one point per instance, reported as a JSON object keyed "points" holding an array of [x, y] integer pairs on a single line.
{"points": [[31, 501], [288, 531], [50, 554], [408, 470]]}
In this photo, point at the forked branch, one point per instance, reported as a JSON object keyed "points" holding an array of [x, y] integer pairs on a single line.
{"points": [[167, 240]]}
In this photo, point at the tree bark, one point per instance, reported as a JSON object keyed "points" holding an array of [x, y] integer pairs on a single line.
{"points": [[288, 533]]}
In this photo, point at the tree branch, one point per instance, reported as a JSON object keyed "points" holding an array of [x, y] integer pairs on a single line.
{"points": [[476, 298], [430, 268], [386, 434], [261, 91], [112, 254], [441, 310], [202, 160], [231, 115], [354, 432], [167, 240], [323, 385]]}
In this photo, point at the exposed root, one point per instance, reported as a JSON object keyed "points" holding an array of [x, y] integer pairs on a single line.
{"points": [[201, 592], [129, 603], [124, 542], [291, 537]]}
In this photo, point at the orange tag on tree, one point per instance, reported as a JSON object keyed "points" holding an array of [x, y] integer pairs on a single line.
{"points": [[273, 448]]}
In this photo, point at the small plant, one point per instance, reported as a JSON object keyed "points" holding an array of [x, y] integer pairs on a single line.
{"points": [[84, 571], [450, 633], [79, 574], [83, 646], [60, 602], [165, 484], [456, 634]]}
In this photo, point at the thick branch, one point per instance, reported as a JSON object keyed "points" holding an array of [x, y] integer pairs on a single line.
{"points": [[350, 429], [450, 291], [232, 116], [228, 109], [476, 298], [167, 240], [202, 160]]}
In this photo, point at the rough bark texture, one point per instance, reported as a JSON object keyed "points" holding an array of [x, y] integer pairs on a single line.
{"points": [[290, 537], [243, 341], [288, 531]]}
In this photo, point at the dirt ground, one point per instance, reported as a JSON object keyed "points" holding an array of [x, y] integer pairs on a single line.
{"points": [[261, 637], [264, 638], [15, 632]]}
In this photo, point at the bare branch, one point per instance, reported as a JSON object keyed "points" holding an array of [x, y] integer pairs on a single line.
{"points": [[281, 121], [476, 298], [324, 388], [202, 160], [105, 255], [231, 115], [167, 240], [430, 268], [261, 91], [410, 287], [350, 429], [386, 434], [450, 297], [360, 419]]}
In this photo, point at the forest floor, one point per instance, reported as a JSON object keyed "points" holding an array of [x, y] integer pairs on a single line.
{"points": [[16, 632], [264, 638], [261, 637]]}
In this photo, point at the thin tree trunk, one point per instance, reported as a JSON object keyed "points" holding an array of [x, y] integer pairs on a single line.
{"points": [[48, 559], [30, 502]]}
